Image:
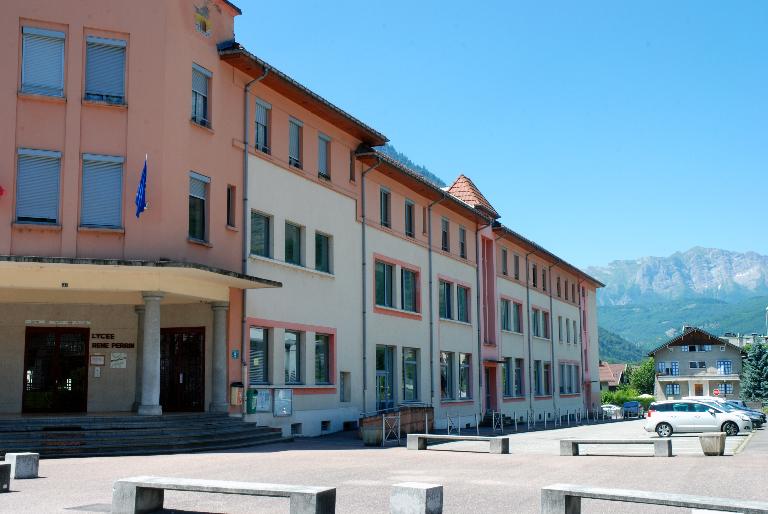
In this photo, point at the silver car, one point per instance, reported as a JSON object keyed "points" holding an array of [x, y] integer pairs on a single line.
{"points": [[671, 416]]}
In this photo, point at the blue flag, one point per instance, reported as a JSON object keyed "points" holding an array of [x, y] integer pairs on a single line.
{"points": [[141, 192]]}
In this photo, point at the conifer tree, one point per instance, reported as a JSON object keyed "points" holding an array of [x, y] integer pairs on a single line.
{"points": [[754, 381]]}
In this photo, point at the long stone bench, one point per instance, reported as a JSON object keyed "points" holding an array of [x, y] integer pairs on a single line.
{"points": [[145, 493], [566, 499], [499, 445], [662, 446]]}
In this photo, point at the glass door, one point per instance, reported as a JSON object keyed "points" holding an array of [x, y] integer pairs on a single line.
{"points": [[385, 398]]}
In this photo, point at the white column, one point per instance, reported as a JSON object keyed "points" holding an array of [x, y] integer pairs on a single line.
{"points": [[139, 352], [219, 401], [150, 372]]}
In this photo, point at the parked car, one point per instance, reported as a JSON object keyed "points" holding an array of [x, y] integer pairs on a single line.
{"points": [[671, 416], [739, 404], [610, 410], [757, 418], [633, 409]]}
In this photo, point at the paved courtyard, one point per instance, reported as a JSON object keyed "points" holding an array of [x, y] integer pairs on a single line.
{"points": [[474, 482]]}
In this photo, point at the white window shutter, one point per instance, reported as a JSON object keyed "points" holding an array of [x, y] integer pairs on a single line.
{"points": [[102, 193], [37, 188], [42, 70], [105, 71]]}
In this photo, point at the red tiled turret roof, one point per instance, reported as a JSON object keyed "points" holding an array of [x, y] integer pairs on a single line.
{"points": [[466, 191]]}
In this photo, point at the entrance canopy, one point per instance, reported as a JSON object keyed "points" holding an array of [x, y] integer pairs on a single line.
{"points": [[114, 281]]}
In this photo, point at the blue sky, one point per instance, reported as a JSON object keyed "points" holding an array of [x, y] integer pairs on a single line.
{"points": [[602, 130]]}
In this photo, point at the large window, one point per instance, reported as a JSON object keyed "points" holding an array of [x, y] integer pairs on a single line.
{"points": [[535, 275], [725, 388], [575, 333], [445, 238], [559, 289], [105, 70], [567, 330], [292, 357], [322, 252], [543, 279], [102, 191], [295, 128], [545, 325], [506, 314], [560, 328], [462, 304], [506, 376], [293, 244], [504, 264], [516, 266], [547, 376], [258, 363], [518, 378], [724, 367], [465, 376], [410, 374], [517, 317], [384, 208], [324, 156], [198, 199], [42, 66], [384, 284], [201, 81], [322, 359], [263, 110], [462, 242], [408, 290], [536, 321], [537, 379], [446, 375], [562, 377], [231, 202], [446, 299], [261, 241], [672, 390], [37, 186], [409, 219]]}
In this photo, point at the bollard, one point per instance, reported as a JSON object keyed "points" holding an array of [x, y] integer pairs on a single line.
{"points": [[416, 498]]}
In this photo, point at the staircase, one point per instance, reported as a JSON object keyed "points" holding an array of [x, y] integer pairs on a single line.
{"points": [[100, 436]]}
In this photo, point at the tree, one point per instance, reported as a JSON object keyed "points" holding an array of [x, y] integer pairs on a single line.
{"points": [[754, 380], [642, 377]]}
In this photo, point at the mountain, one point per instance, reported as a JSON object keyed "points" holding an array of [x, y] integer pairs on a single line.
{"points": [[614, 348], [700, 273], [391, 151]]}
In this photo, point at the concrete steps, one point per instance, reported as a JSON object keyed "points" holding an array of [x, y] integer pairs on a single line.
{"points": [[91, 436]]}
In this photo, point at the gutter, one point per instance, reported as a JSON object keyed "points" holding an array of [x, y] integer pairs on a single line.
{"points": [[581, 349], [246, 249]]}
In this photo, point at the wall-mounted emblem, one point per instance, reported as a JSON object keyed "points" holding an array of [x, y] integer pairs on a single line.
{"points": [[203, 17]]}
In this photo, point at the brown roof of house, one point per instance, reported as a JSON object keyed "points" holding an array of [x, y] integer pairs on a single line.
{"points": [[465, 190], [611, 373], [698, 335]]}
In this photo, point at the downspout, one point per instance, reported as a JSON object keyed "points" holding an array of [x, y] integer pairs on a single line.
{"points": [[480, 316], [528, 311], [431, 304], [581, 349], [555, 370], [246, 250], [365, 288]]}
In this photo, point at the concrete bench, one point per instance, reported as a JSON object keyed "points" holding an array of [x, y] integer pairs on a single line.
{"points": [[662, 447], [5, 477], [23, 465], [145, 494], [566, 499], [499, 445]]}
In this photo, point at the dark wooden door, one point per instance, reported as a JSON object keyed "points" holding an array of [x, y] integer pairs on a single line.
{"points": [[55, 370], [182, 369]]}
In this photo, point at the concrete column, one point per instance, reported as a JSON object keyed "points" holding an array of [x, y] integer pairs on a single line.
{"points": [[139, 353], [219, 401], [150, 367]]}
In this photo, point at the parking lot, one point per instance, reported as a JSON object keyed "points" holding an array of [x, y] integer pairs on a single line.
{"points": [[474, 481]]}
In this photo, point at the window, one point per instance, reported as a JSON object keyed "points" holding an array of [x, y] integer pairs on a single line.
{"points": [[324, 156], [516, 266], [384, 201], [560, 328], [724, 368], [424, 223], [567, 330], [506, 376], [462, 242], [384, 284], [707, 348], [544, 279], [518, 382], [674, 368], [231, 202], [322, 359], [537, 384], [576, 380], [292, 357], [410, 374], [258, 363], [322, 252], [672, 389], [37, 186], [105, 70], [504, 259], [102, 191], [260, 235], [293, 244], [558, 286], [198, 198], [385, 377], [408, 290], [201, 79], [566, 289], [294, 142], [465, 376], [462, 304], [725, 388], [545, 325], [572, 379], [446, 375], [345, 387], [573, 292], [445, 241], [506, 314], [536, 318], [697, 365], [446, 300], [263, 112], [547, 378], [517, 317], [575, 333], [42, 62], [685, 348], [562, 377], [535, 275], [409, 221]]}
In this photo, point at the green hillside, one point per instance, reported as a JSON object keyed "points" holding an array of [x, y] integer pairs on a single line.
{"points": [[614, 348]]}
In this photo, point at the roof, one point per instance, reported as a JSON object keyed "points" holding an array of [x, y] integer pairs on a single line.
{"points": [[690, 331], [233, 6], [536, 249], [465, 190], [236, 55], [611, 373]]}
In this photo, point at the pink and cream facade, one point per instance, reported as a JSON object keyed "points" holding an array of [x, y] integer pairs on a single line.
{"points": [[279, 249]]}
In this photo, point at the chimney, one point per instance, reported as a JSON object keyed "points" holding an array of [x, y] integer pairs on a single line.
{"points": [[686, 328]]}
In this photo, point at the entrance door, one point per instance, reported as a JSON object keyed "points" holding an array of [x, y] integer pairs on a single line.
{"points": [[698, 389], [55, 370], [182, 369], [385, 397], [490, 389]]}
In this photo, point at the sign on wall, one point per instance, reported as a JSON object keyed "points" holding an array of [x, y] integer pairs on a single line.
{"points": [[283, 403], [118, 360]]}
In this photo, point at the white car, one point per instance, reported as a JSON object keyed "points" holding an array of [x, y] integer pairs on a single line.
{"points": [[610, 409], [671, 416]]}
